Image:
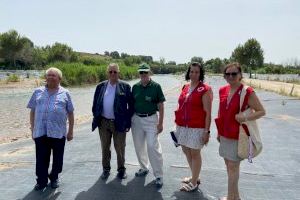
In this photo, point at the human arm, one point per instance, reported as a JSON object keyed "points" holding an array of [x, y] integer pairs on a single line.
{"points": [[31, 118], [255, 104], [71, 126], [161, 111], [207, 104]]}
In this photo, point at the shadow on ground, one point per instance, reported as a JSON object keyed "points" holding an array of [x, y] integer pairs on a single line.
{"points": [[47, 194], [135, 189]]}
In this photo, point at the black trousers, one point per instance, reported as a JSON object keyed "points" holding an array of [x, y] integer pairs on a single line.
{"points": [[43, 147]]}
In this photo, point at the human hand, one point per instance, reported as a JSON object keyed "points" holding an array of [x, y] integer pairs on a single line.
{"points": [[218, 138], [70, 135], [240, 118], [31, 130], [205, 138], [159, 128]]}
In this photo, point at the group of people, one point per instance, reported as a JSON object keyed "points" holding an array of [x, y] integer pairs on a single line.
{"points": [[117, 108]]}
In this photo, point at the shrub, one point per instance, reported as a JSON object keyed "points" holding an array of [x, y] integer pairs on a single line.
{"points": [[13, 78]]}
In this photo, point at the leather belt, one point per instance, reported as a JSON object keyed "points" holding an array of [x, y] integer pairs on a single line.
{"points": [[145, 114]]}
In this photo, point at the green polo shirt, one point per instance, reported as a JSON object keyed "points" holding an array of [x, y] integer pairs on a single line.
{"points": [[147, 97]]}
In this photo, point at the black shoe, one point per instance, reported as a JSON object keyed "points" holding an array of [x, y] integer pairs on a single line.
{"points": [[105, 174], [54, 184], [38, 187], [122, 174], [141, 172]]}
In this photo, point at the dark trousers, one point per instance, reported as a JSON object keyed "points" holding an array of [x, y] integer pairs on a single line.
{"points": [[43, 147], [107, 131]]}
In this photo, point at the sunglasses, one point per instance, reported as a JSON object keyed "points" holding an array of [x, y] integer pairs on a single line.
{"points": [[233, 74], [113, 72], [142, 72]]}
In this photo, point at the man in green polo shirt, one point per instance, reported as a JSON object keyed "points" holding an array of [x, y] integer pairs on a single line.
{"points": [[146, 124]]}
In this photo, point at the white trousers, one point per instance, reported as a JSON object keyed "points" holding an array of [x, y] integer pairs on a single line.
{"points": [[144, 131]]}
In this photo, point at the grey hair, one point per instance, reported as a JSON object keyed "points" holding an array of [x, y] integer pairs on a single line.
{"points": [[113, 65], [54, 69]]}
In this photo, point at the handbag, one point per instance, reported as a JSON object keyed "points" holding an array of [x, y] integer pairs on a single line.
{"points": [[249, 146]]}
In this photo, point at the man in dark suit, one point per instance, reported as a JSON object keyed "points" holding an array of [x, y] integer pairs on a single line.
{"points": [[112, 111]]}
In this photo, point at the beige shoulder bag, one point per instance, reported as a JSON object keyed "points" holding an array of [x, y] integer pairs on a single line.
{"points": [[248, 146]]}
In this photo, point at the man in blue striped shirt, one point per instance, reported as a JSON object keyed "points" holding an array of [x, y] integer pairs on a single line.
{"points": [[51, 106]]}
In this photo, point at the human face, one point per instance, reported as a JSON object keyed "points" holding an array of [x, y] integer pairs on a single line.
{"points": [[194, 73], [52, 79], [113, 74], [145, 76], [232, 75]]}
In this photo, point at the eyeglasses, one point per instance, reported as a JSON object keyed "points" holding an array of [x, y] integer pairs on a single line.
{"points": [[233, 74], [113, 72], [143, 72]]}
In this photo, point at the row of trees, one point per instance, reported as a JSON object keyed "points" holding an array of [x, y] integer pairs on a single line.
{"points": [[19, 52]]}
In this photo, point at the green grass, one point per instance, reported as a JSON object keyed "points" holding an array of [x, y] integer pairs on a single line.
{"points": [[13, 78], [80, 74]]}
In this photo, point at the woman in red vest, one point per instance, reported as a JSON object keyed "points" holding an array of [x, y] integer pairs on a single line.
{"points": [[193, 118], [229, 120]]}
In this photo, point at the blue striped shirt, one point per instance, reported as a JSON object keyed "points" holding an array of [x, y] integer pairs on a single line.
{"points": [[51, 112]]}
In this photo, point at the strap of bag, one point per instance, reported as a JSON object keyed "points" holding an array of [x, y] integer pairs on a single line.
{"points": [[250, 143], [242, 96]]}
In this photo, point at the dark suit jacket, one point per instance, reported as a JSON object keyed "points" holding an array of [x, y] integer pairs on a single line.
{"points": [[123, 105]]}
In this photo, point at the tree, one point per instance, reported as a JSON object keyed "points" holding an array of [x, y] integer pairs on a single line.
{"points": [[124, 55], [11, 45], [197, 59], [162, 61], [146, 59], [106, 53], [61, 52], [115, 55], [215, 65], [40, 57], [24, 58], [250, 54], [171, 63]]}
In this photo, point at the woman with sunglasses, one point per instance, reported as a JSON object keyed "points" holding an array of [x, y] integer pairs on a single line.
{"points": [[228, 122], [193, 118]]}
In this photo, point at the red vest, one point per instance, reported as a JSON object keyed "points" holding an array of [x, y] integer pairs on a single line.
{"points": [[190, 112], [227, 126]]}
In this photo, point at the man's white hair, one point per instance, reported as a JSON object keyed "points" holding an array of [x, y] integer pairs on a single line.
{"points": [[54, 69], [113, 65]]}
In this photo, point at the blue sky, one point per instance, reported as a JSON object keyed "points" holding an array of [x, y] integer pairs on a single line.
{"points": [[174, 29]]}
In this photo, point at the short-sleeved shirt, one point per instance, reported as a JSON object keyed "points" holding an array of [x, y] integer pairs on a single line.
{"points": [[51, 112], [147, 97]]}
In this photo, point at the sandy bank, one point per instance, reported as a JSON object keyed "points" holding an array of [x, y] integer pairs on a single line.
{"points": [[287, 89], [23, 85]]}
